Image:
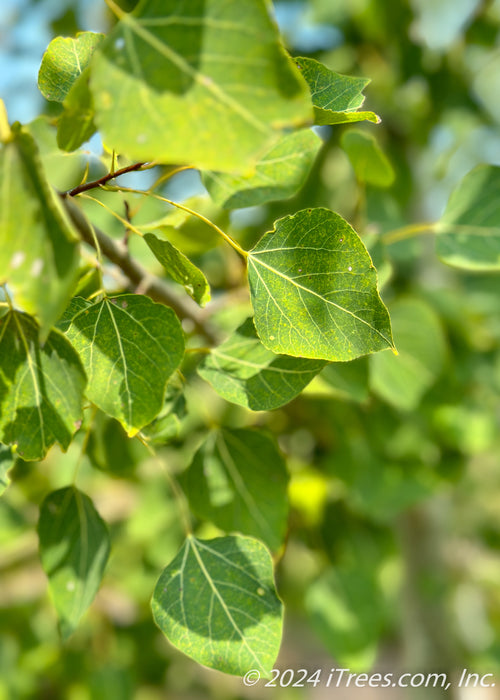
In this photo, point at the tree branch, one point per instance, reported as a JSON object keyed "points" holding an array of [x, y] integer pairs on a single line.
{"points": [[139, 277], [103, 180]]}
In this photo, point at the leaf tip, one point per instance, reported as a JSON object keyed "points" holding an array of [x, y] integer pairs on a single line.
{"points": [[394, 351]]}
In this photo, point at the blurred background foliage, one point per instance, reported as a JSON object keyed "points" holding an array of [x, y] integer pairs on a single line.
{"points": [[392, 559]]}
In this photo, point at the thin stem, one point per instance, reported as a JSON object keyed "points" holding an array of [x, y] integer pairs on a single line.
{"points": [[174, 486], [104, 179], [85, 442], [7, 298], [406, 232], [121, 219], [199, 216], [138, 277], [115, 9]]}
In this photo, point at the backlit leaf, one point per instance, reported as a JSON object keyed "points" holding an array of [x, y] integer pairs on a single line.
{"points": [[74, 549], [217, 603], [41, 388], [278, 175], [370, 163], [63, 62], [76, 124], [129, 346], [38, 247], [180, 268], [230, 483], [336, 98], [419, 338], [243, 371], [205, 83], [314, 290], [469, 231]]}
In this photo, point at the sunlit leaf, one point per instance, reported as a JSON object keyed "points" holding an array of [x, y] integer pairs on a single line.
{"points": [[63, 62], [217, 602], [38, 247], [180, 268], [76, 124], [41, 388], [230, 483], [243, 371], [314, 290], [129, 346], [419, 338], [74, 549], [336, 98], [205, 83], [370, 163], [469, 230], [278, 175]]}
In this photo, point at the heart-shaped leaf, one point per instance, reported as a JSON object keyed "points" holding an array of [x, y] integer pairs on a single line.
{"points": [[216, 602], [129, 346], [314, 290]]}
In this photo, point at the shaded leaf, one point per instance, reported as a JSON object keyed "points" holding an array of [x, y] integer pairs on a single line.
{"points": [[180, 268], [336, 98], [63, 62], [344, 606], [370, 163], [243, 371], [41, 388], [166, 426], [205, 83], [108, 447], [469, 230], [129, 346], [347, 379], [314, 290], [7, 461], [76, 124], [38, 247], [74, 549], [403, 380], [279, 174], [238, 480], [217, 603]]}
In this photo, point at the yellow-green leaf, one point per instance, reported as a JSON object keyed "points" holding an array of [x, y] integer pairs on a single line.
{"points": [[314, 290], [205, 83]]}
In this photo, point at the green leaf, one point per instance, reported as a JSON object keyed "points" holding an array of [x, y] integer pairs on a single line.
{"points": [[348, 380], [129, 347], [314, 290], [166, 426], [108, 447], [180, 268], [77, 124], [279, 174], [205, 83], [238, 480], [243, 371], [63, 62], [370, 163], [7, 461], [38, 247], [217, 603], [41, 388], [74, 549], [344, 606], [403, 380], [469, 231], [336, 98]]}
